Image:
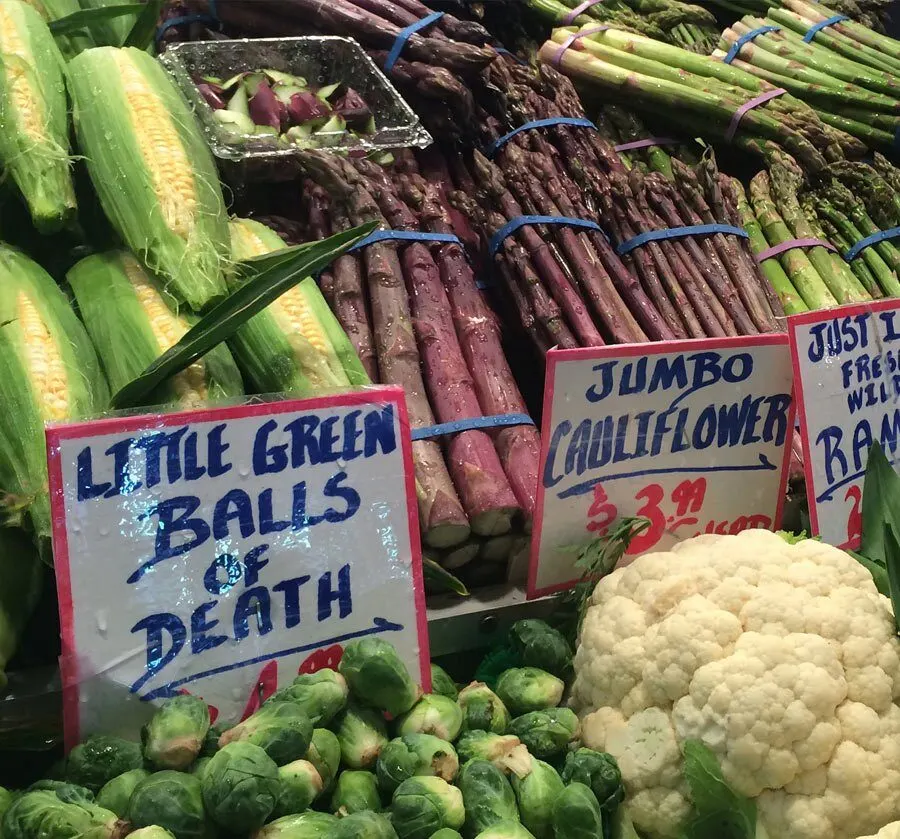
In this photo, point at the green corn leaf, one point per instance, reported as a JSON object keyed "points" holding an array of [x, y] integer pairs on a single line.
{"points": [[439, 578], [144, 29], [268, 278], [84, 18]]}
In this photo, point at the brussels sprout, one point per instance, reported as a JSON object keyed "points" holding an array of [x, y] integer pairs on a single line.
{"points": [[362, 733], [354, 792], [41, 813], [600, 772], [300, 786], [446, 833], [365, 825], [506, 830], [537, 644], [422, 806], [415, 754], [114, 794], [433, 714], [325, 754], [280, 728], [65, 792], [487, 795], [154, 831], [482, 709], [537, 793], [525, 689], [198, 767], [211, 741], [6, 800], [547, 733], [505, 751], [176, 732], [321, 695], [442, 684], [377, 676], [100, 758], [308, 825], [240, 787], [57, 771], [576, 814], [171, 800]]}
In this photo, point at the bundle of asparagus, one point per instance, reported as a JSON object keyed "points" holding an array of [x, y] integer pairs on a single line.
{"points": [[847, 71], [569, 286], [854, 201], [734, 104], [417, 319], [435, 69], [870, 13], [686, 25]]}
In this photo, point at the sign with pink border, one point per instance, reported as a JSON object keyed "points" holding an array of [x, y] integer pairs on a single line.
{"points": [[847, 369], [692, 435], [221, 552]]}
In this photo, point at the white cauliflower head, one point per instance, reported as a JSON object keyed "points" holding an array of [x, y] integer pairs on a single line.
{"points": [[783, 659]]}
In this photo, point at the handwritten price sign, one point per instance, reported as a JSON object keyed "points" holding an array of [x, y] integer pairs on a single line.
{"points": [[690, 435], [222, 551], [847, 370]]}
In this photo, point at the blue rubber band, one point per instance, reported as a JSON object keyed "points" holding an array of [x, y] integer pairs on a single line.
{"points": [[404, 236], [896, 141], [456, 426], [403, 36], [184, 20], [677, 233], [874, 239], [512, 55], [745, 39], [522, 221], [811, 32], [494, 147]]}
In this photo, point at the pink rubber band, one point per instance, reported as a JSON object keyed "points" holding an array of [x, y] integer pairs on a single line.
{"points": [[581, 7], [748, 106], [643, 144], [789, 245], [571, 40]]}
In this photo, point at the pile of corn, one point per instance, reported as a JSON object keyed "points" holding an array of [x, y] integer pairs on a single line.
{"points": [[64, 348]]}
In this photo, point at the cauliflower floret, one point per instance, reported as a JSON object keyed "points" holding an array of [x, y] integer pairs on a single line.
{"points": [[783, 659]]}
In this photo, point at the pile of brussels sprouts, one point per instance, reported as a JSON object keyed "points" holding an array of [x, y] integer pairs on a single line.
{"points": [[355, 754]]}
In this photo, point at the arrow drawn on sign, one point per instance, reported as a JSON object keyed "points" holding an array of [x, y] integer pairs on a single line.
{"points": [[380, 625], [764, 465]]}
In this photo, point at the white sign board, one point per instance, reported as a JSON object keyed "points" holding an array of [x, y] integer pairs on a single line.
{"points": [[220, 552], [692, 435], [847, 370]]}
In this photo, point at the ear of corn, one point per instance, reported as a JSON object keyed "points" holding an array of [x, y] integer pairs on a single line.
{"points": [[132, 321], [49, 372], [34, 122], [296, 345], [152, 170]]}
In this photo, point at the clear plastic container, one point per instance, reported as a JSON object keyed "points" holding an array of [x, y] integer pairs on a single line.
{"points": [[321, 60]]}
